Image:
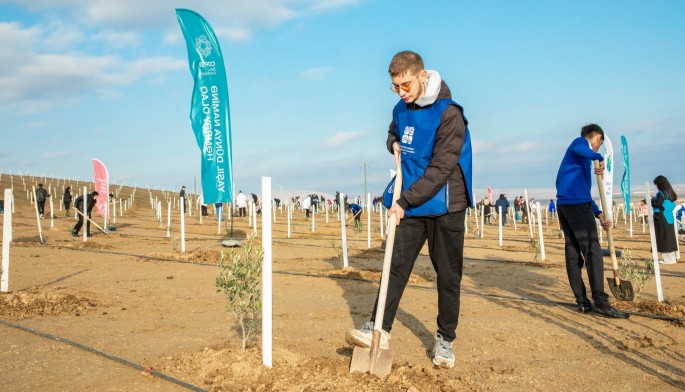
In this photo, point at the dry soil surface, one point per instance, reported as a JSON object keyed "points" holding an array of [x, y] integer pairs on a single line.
{"points": [[96, 315]]}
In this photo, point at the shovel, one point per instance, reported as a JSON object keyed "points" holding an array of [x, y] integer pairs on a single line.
{"points": [[621, 289], [376, 360], [92, 221]]}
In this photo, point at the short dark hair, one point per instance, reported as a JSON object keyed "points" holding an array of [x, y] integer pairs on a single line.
{"points": [[405, 61], [589, 129]]}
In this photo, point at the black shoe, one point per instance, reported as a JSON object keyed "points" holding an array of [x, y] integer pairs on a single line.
{"points": [[585, 307], [612, 312]]}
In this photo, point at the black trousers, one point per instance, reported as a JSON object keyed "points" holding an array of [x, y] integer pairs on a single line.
{"points": [[445, 235], [79, 224], [204, 210], [242, 211], [41, 207], [582, 248]]}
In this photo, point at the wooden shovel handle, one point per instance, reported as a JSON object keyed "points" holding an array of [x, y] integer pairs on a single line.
{"points": [[610, 238]]}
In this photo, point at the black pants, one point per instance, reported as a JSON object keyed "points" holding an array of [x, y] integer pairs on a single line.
{"points": [[79, 224], [242, 211], [445, 235], [582, 248], [204, 210], [306, 212], [41, 206]]}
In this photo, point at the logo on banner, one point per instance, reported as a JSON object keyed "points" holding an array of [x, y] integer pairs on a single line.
{"points": [[203, 46]]}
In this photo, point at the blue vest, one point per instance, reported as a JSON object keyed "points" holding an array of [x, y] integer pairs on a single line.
{"points": [[667, 208], [416, 131]]}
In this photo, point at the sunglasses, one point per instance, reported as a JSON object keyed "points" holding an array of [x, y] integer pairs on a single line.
{"points": [[406, 86]]}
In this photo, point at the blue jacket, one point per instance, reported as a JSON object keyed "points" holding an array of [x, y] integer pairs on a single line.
{"points": [[355, 208], [574, 178]]}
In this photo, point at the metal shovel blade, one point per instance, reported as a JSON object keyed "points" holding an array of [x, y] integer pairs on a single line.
{"points": [[362, 361], [623, 291]]}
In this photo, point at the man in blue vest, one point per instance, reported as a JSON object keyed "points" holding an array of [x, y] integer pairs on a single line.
{"points": [[430, 132], [577, 213]]}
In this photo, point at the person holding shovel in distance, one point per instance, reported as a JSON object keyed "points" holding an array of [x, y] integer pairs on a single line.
{"points": [[92, 199], [356, 210], [430, 132], [577, 212]]}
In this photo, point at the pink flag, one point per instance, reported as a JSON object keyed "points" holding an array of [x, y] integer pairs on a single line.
{"points": [[490, 195], [101, 181]]}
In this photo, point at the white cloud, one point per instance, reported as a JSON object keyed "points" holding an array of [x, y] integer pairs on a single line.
{"points": [[56, 154], [315, 73], [116, 39], [235, 20], [43, 80], [342, 138]]}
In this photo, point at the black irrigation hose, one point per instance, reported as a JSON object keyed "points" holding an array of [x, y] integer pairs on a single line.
{"points": [[103, 354], [545, 302]]}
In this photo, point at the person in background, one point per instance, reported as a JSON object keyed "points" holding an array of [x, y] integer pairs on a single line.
{"points": [[182, 195], [577, 213], [66, 199], [643, 211], [664, 204], [307, 205], [203, 205], [552, 208], [356, 210], [78, 204], [41, 196], [241, 202], [503, 203]]}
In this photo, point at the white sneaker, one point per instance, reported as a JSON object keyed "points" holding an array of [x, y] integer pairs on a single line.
{"points": [[442, 352], [362, 337]]}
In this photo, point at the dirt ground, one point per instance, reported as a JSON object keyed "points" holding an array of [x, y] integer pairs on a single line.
{"points": [[92, 316]]}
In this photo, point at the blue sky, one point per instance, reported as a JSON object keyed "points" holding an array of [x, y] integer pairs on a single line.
{"points": [[309, 93]]}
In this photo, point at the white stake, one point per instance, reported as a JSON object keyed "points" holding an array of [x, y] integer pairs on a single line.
{"points": [[631, 224], [85, 216], [542, 239], [183, 225], [289, 216], [368, 221], [380, 218], [6, 238], [526, 204], [344, 232], [313, 214], [482, 221], [52, 215], [114, 211], [267, 293], [652, 236], [168, 220], [499, 222], [677, 242], [40, 229], [254, 218]]}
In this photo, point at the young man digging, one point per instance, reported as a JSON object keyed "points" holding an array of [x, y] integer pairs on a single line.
{"points": [[577, 212], [429, 130]]}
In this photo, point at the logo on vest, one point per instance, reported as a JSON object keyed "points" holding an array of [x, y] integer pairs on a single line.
{"points": [[408, 135]]}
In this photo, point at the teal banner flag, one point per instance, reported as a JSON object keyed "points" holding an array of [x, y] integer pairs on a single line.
{"points": [[625, 181], [209, 114]]}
